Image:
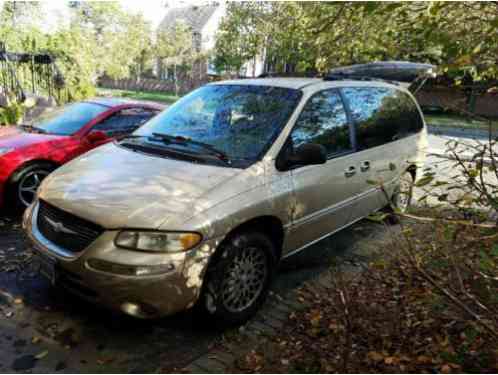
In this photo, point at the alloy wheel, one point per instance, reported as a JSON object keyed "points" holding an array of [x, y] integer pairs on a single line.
{"points": [[29, 184], [404, 195], [245, 279]]}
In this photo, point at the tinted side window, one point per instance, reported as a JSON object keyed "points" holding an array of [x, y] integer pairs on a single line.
{"points": [[323, 120], [410, 118], [124, 122], [382, 115]]}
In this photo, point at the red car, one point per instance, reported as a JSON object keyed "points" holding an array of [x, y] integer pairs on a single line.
{"points": [[29, 152]]}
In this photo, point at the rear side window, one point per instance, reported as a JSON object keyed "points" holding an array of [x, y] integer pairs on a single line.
{"points": [[382, 115], [323, 120]]}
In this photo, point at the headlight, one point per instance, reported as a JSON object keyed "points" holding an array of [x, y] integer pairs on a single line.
{"points": [[4, 150], [169, 242]]}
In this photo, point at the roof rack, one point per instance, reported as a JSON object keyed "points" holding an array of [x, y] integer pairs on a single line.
{"points": [[390, 71], [341, 76], [403, 73], [288, 75]]}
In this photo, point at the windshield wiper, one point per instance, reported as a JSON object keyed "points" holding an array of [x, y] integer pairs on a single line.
{"points": [[129, 136], [132, 136], [180, 140], [33, 128]]}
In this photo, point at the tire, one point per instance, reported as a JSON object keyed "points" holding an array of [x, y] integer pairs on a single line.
{"points": [[22, 188], [402, 197], [406, 180], [245, 257]]}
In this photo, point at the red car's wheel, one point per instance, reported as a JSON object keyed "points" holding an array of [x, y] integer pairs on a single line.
{"points": [[24, 184]]}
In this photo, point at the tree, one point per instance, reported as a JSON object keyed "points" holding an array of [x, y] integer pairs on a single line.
{"points": [[122, 39], [299, 36], [175, 48], [101, 38], [19, 21], [21, 14], [241, 35]]}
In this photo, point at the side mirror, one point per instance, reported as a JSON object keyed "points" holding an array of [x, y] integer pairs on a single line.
{"points": [[96, 136], [308, 154]]}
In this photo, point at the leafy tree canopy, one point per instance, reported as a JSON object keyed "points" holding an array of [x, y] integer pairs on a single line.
{"points": [[101, 38], [461, 37]]}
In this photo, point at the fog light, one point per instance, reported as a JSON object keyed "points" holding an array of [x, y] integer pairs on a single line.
{"points": [[138, 310], [127, 270]]}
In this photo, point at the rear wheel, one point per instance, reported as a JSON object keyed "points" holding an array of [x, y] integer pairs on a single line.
{"points": [[402, 198], [25, 183], [238, 278]]}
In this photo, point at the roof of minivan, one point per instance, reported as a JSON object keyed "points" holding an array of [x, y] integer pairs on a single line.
{"points": [[291, 82], [300, 83]]}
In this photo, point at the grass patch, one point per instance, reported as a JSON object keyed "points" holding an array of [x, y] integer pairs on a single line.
{"points": [[160, 97]]}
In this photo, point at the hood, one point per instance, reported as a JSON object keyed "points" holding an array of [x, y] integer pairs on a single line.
{"points": [[13, 137], [119, 188]]}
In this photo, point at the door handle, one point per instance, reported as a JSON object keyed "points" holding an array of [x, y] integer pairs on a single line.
{"points": [[351, 171], [365, 166]]}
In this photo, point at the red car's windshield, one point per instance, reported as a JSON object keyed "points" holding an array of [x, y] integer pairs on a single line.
{"points": [[67, 120]]}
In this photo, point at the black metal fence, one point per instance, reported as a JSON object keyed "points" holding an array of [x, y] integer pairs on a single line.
{"points": [[23, 73]]}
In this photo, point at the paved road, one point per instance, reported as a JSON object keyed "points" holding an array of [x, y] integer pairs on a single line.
{"points": [[74, 336], [440, 161]]}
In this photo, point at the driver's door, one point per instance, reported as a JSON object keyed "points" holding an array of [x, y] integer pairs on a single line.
{"points": [[322, 192]]}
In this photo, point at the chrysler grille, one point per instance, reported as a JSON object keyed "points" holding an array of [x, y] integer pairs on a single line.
{"points": [[65, 230]]}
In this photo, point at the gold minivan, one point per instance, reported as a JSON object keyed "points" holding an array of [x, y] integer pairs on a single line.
{"points": [[198, 206]]}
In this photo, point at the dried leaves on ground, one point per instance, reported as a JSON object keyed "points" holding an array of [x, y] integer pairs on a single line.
{"points": [[428, 304]]}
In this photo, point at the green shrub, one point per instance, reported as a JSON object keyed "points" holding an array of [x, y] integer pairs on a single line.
{"points": [[81, 91], [11, 114]]}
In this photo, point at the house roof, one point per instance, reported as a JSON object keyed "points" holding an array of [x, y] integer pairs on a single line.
{"points": [[194, 16]]}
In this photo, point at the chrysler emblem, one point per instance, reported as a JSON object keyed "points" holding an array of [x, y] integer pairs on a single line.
{"points": [[59, 227]]}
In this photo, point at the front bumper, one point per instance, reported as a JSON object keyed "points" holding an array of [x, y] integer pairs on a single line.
{"points": [[141, 296]]}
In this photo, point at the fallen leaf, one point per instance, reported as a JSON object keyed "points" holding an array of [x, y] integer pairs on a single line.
{"points": [[315, 317], [391, 360], [41, 355], [422, 359], [375, 356], [103, 361], [445, 369]]}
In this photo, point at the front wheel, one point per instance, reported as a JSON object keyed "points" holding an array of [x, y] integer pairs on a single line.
{"points": [[238, 278], [25, 183]]}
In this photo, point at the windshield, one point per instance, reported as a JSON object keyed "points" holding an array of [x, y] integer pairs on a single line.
{"points": [[241, 121], [67, 120]]}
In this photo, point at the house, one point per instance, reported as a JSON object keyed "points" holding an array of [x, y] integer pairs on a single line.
{"points": [[204, 21]]}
